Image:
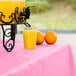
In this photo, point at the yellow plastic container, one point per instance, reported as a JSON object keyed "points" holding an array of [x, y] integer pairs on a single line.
{"points": [[8, 7], [30, 36]]}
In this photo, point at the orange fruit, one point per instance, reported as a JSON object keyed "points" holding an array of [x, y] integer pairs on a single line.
{"points": [[40, 38], [50, 37]]}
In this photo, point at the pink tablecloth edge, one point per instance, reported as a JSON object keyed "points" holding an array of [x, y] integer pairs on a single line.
{"points": [[71, 58]]}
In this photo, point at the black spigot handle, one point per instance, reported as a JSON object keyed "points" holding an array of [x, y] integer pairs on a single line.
{"points": [[27, 10]]}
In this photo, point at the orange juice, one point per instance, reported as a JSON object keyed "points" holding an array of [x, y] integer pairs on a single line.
{"points": [[8, 7], [29, 39]]}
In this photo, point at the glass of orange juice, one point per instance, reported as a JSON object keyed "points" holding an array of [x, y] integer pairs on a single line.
{"points": [[30, 36]]}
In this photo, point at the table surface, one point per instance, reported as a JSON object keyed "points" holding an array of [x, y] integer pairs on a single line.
{"points": [[20, 58]]}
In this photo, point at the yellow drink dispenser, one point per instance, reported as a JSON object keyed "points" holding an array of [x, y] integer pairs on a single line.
{"points": [[12, 12], [7, 7]]}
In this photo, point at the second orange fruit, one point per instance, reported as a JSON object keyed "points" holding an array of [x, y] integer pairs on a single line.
{"points": [[50, 37]]}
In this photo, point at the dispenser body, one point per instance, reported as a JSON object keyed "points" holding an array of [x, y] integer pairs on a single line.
{"points": [[7, 7]]}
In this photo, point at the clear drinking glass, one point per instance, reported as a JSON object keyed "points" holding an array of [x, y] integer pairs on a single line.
{"points": [[29, 36]]}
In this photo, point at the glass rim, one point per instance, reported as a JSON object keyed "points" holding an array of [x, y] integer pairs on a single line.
{"points": [[30, 28]]}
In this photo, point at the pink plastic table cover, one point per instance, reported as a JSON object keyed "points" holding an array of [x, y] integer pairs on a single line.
{"points": [[45, 60]]}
